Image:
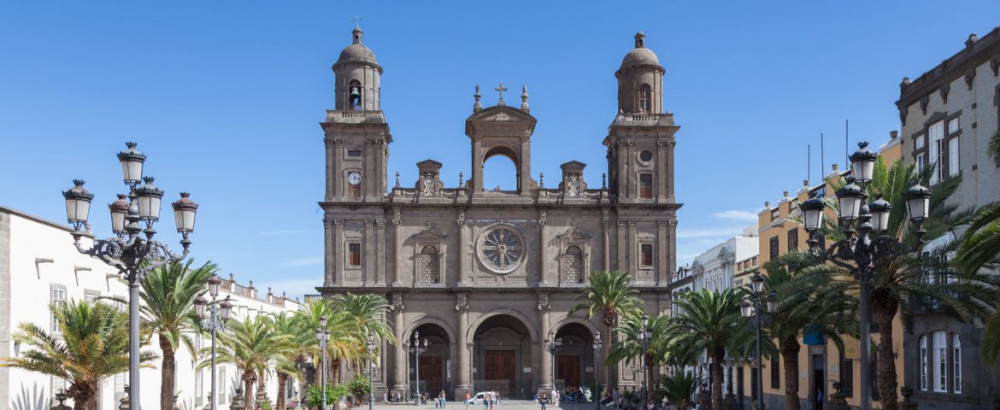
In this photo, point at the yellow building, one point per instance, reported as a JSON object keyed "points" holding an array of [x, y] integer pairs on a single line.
{"points": [[780, 231]]}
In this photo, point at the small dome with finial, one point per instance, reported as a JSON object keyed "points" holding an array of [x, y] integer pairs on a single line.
{"points": [[357, 51], [640, 55]]}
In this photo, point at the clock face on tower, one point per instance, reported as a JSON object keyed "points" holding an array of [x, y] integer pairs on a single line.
{"points": [[354, 178]]}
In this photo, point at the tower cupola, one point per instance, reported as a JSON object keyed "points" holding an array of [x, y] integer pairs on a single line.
{"points": [[640, 80], [358, 85]]}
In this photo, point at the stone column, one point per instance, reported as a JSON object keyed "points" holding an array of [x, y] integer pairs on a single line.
{"points": [[330, 251], [338, 251], [399, 378], [462, 239], [606, 243], [662, 184], [545, 360], [397, 243], [462, 332], [670, 169], [380, 258], [662, 245], [543, 273], [633, 245], [368, 271], [622, 259]]}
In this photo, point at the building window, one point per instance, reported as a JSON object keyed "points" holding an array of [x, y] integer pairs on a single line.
{"points": [[775, 214], [775, 373], [354, 153], [953, 125], [956, 348], [429, 266], [923, 363], [793, 239], [58, 298], [953, 156], [573, 265], [645, 98], [646, 253], [773, 247], [936, 150], [646, 186], [91, 296], [940, 362], [354, 254]]}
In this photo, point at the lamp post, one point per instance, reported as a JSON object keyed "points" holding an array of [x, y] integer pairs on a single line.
{"points": [[754, 309], [644, 337], [215, 321], [371, 369], [865, 247], [416, 348], [598, 344], [129, 252], [323, 334], [553, 345]]}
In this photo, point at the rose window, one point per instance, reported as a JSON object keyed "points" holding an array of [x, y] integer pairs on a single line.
{"points": [[501, 250]]}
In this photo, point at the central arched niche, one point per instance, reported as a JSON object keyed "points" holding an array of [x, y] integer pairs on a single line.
{"points": [[502, 353]]}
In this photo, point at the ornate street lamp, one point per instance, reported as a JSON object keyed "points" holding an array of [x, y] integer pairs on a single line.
{"points": [[645, 335], [598, 345], [416, 348], [215, 321], [129, 252], [753, 309], [863, 245], [323, 334], [371, 369], [553, 345]]}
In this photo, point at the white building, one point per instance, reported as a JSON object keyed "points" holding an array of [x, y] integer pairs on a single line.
{"points": [[39, 265]]}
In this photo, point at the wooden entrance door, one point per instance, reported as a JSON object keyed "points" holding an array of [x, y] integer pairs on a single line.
{"points": [[430, 375], [500, 371], [569, 370]]}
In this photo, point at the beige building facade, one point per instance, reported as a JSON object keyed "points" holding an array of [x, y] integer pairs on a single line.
{"points": [[487, 276]]}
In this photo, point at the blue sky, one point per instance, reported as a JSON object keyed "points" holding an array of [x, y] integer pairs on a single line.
{"points": [[225, 96]]}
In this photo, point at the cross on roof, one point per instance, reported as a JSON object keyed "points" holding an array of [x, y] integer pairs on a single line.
{"points": [[357, 21], [500, 88]]}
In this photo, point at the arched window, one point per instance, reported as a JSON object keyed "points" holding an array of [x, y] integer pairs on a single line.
{"points": [[572, 269], [354, 93], [645, 98], [429, 268]]}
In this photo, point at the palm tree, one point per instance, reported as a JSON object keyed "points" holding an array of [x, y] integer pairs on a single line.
{"points": [[630, 348], [708, 321], [168, 294], [251, 345], [679, 388], [303, 342], [896, 284], [810, 299], [94, 346], [362, 314], [610, 295], [343, 345]]}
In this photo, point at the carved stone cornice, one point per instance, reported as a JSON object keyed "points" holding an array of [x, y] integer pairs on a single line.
{"points": [[397, 219], [380, 222], [461, 303], [461, 218]]}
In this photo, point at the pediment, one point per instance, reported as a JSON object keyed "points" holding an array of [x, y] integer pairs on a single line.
{"points": [[574, 234], [501, 114], [429, 233]]}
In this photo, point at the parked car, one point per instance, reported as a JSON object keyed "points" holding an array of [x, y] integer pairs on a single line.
{"points": [[479, 397]]}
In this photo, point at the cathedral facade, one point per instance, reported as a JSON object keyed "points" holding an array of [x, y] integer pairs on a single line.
{"points": [[486, 277]]}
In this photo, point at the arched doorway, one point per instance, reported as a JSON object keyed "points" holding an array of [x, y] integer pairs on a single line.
{"points": [[502, 357], [574, 364], [433, 375]]}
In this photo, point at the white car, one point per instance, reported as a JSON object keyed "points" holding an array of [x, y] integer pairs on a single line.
{"points": [[479, 397]]}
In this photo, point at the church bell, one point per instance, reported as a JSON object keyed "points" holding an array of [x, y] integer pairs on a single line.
{"points": [[355, 93]]}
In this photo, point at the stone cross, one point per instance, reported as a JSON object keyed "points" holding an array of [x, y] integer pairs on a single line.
{"points": [[357, 21], [500, 88]]}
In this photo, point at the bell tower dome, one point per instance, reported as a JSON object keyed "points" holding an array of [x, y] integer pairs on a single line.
{"points": [[640, 80], [358, 85]]}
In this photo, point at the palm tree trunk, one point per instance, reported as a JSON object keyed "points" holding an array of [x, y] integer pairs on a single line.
{"points": [[81, 394], [716, 369], [167, 366], [886, 362], [790, 353], [248, 390], [282, 379]]}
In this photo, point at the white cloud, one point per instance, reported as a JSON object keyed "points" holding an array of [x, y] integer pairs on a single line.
{"points": [[709, 232], [736, 214], [303, 261]]}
